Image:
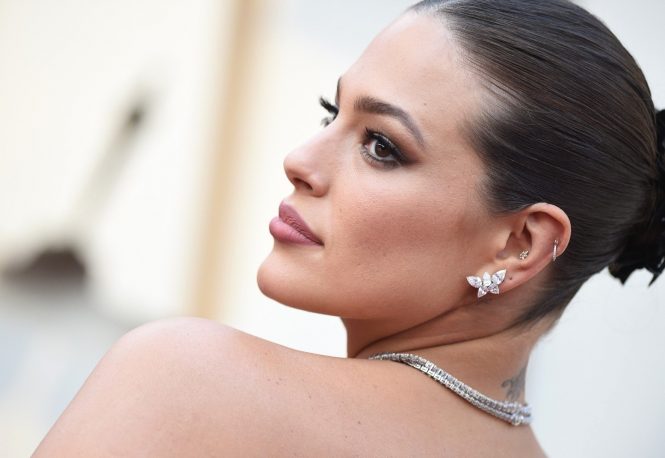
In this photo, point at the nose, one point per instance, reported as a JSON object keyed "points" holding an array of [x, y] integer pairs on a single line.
{"points": [[305, 169]]}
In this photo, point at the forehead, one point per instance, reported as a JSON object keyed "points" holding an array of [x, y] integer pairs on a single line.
{"points": [[415, 64]]}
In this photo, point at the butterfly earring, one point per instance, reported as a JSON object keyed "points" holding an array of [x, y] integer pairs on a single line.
{"points": [[488, 283]]}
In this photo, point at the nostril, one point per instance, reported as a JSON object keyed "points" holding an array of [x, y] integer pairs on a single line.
{"points": [[298, 183]]}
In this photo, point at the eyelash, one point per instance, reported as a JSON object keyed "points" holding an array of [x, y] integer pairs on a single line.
{"points": [[332, 109], [370, 136]]}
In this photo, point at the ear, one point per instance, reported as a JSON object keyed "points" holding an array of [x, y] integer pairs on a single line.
{"points": [[534, 229]]}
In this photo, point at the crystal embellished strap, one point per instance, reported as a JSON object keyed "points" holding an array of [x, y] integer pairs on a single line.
{"points": [[511, 412]]}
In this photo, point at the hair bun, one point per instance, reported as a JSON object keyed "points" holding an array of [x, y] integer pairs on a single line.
{"points": [[647, 251]]}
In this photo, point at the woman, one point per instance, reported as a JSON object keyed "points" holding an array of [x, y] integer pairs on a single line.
{"points": [[482, 159]]}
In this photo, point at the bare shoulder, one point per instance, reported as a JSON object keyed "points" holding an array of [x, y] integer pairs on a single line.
{"points": [[190, 387]]}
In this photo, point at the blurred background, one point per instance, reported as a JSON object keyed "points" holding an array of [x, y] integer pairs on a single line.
{"points": [[141, 149]]}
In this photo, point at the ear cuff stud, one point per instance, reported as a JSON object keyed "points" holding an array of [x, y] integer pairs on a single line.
{"points": [[487, 283]]}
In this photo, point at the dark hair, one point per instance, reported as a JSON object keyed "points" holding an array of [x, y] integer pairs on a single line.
{"points": [[571, 123]]}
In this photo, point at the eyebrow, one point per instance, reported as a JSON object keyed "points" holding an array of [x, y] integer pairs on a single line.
{"points": [[373, 105]]}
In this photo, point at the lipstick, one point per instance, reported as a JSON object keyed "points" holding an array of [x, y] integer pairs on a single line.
{"points": [[289, 227]]}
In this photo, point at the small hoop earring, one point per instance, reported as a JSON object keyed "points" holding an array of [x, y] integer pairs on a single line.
{"points": [[488, 283], [556, 244], [523, 255]]}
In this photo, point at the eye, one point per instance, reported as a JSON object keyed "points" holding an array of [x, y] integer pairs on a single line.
{"points": [[379, 150], [332, 109]]}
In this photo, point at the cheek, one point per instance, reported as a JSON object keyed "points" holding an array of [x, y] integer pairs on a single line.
{"points": [[395, 217], [391, 249], [390, 227]]}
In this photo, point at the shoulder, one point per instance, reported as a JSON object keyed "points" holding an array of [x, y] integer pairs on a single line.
{"points": [[191, 386], [259, 396], [252, 395]]}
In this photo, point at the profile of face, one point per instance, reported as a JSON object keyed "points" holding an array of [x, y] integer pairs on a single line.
{"points": [[389, 186]]}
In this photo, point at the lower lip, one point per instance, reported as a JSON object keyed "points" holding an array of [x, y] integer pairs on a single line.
{"points": [[285, 233]]}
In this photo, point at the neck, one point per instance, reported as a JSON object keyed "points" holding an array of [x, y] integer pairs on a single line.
{"points": [[488, 355]]}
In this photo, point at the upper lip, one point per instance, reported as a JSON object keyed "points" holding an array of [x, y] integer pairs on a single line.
{"points": [[290, 216]]}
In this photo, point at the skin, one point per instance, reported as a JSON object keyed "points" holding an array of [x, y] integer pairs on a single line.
{"points": [[397, 246]]}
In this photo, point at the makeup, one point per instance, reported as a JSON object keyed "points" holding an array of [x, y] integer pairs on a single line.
{"points": [[289, 227]]}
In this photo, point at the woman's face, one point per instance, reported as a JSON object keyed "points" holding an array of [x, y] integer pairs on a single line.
{"points": [[399, 227]]}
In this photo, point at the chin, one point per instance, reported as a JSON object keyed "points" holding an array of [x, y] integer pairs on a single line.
{"points": [[265, 279], [301, 286], [276, 284], [279, 284]]}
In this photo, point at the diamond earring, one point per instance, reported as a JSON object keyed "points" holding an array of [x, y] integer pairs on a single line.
{"points": [[523, 255], [488, 283]]}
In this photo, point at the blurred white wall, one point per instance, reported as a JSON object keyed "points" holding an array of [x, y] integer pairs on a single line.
{"points": [[70, 71]]}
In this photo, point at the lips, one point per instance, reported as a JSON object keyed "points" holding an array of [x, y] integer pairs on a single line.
{"points": [[290, 227]]}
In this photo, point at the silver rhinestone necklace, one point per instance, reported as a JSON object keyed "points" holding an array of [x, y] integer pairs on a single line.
{"points": [[514, 413]]}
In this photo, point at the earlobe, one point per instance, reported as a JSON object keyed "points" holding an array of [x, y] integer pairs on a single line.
{"points": [[487, 283]]}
